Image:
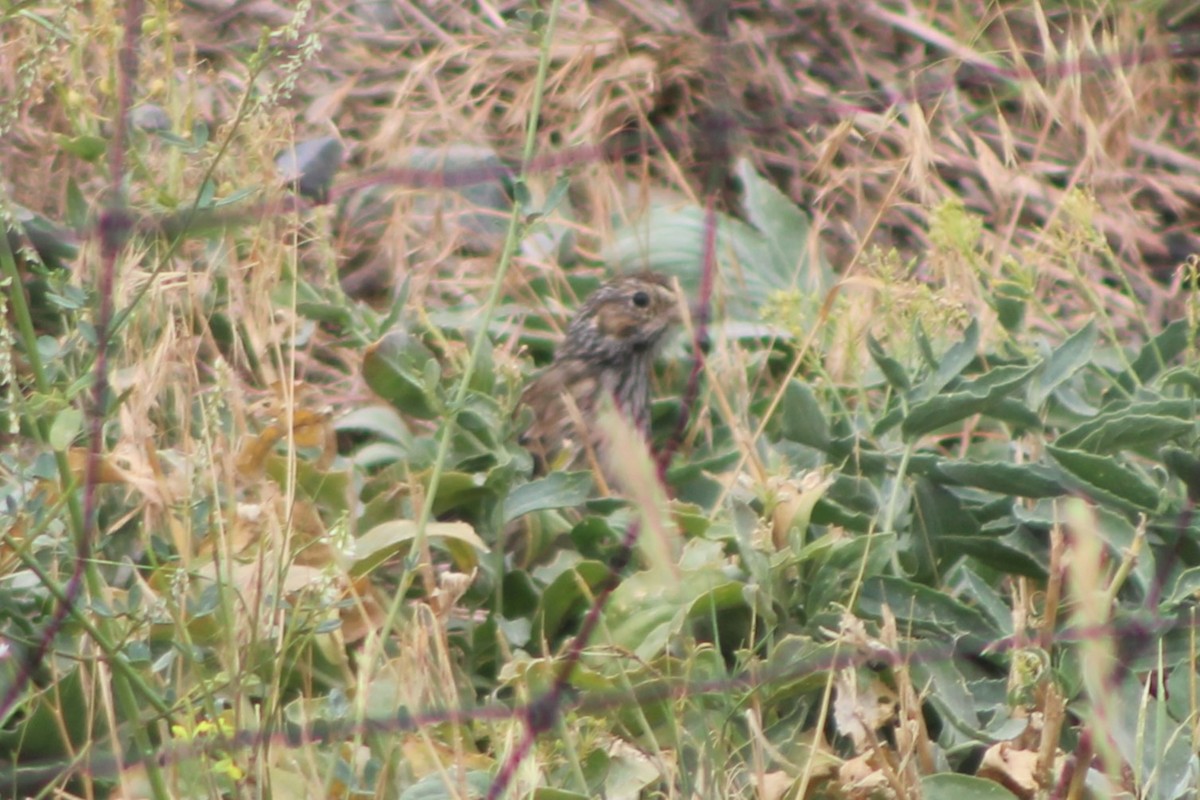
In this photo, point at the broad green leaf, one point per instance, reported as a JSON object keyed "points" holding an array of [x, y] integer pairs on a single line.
{"points": [[1158, 353], [51, 722], [956, 359], [208, 191], [1013, 551], [448, 786], [200, 134], [798, 665], [952, 786], [829, 512], [395, 369], [786, 230], [1015, 413], [66, 426], [986, 597], [926, 606], [949, 690], [556, 194], [1010, 299], [1064, 362], [329, 488], [671, 239], [975, 397], [568, 595], [937, 515], [1111, 526], [892, 369], [1186, 466], [801, 418], [1022, 480], [378, 420], [77, 206], [1107, 479], [458, 490], [236, 196], [89, 148], [1140, 426], [396, 537], [52, 242], [556, 490]]}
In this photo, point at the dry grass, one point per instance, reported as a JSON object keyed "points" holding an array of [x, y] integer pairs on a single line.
{"points": [[1049, 123]]}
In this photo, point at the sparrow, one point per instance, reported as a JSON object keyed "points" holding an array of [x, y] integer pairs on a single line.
{"points": [[608, 351]]}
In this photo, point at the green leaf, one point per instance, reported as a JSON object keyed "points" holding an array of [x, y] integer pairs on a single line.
{"points": [[671, 239], [1014, 550], [556, 194], [89, 148], [938, 514], [1140, 426], [892, 369], [987, 598], [329, 488], [396, 537], [926, 606], [378, 420], [208, 191], [1186, 466], [1185, 589], [786, 228], [1009, 299], [798, 665], [77, 207], [394, 367], [956, 359], [1022, 480], [1107, 479], [65, 428], [443, 786], [556, 490], [971, 398], [949, 691], [1064, 362], [53, 243], [522, 197], [235, 197], [1158, 352], [200, 134], [1016, 414], [801, 418], [569, 594], [459, 490], [1109, 525], [49, 722], [952, 786]]}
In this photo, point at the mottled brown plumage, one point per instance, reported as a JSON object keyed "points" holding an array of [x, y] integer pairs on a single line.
{"points": [[608, 350]]}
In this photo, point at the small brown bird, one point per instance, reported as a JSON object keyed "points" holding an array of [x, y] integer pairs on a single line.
{"points": [[608, 350]]}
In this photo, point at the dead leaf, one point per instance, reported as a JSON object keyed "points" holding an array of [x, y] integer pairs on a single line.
{"points": [[862, 706], [308, 429], [1012, 768]]}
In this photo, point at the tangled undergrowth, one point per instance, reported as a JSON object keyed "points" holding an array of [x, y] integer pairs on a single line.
{"points": [[928, 529]]}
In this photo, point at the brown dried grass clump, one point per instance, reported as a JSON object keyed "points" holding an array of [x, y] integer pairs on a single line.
{"points": [[867, 115]]}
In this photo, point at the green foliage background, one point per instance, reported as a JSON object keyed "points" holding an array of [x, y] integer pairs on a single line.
{"points": [[930, 531]]}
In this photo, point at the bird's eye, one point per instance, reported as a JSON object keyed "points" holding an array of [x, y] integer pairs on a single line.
{"points": [[641, 299]]}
